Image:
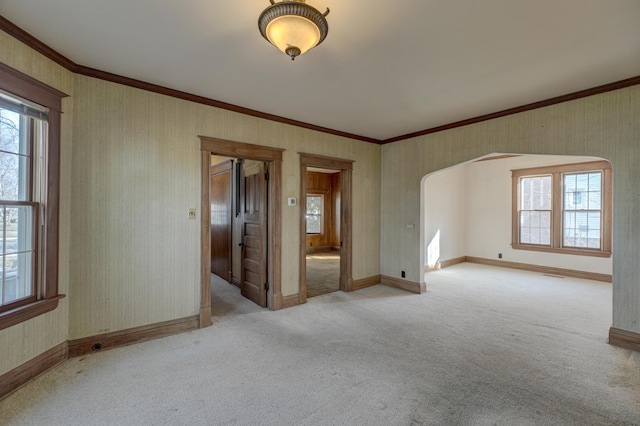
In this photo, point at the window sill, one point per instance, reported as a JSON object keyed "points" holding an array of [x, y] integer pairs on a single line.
{"points": [[577, 252], [27, 312]]}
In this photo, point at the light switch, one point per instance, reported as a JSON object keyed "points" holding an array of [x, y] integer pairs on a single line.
{"points": [[192, 213], [291, 201]]}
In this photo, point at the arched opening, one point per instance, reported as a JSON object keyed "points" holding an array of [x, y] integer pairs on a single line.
{"points": [[468, 215]]}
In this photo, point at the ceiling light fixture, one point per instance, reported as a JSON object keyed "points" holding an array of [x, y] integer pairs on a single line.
{"points": [[293, 26]]}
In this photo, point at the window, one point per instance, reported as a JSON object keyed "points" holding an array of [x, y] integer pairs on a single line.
{"points": [[582, 215], [29, 188], [563, 209], [535, 210], [314, 214], [18, 245]]}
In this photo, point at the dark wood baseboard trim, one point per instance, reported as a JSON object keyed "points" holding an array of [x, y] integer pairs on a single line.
{"points": [[120, 338], [204, 319], [19, 376], [411, 286], [624, 339], [320, 249], [542, 269], [365, 282], [445, 263], [289, 301]]}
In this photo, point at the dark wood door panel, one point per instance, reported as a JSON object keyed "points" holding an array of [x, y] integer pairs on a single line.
{"points": [[254, 259]]}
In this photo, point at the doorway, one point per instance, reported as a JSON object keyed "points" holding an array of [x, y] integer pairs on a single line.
{"points": [[223, 220], [471, 213], [325, 225], [322, 207], [263, 273]]}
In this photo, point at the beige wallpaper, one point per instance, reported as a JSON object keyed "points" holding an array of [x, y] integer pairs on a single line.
{"points": [[136, 172], [606, 126], [29, 339], [129, 255]]}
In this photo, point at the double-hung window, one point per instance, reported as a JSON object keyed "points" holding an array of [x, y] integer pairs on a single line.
{"points": [[29, 197], [563, 209], [20, 134]]}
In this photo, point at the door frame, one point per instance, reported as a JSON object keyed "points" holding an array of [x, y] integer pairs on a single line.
{"points": [[345, 167], [273, 159]]}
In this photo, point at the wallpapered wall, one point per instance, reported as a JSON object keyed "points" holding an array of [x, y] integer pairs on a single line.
{"points": [[606, 126], [29, 339], [127, 185]]}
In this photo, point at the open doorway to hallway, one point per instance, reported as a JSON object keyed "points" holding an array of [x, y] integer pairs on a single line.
{"points": [[325, 225], [322, 204], [258, 197], [238, 194]]}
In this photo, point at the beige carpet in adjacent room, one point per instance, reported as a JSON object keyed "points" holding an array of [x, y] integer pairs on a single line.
{"points": [[323, 273], [484, 346]]}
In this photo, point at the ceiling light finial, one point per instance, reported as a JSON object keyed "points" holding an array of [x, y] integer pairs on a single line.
{"points": [[293, 26]]}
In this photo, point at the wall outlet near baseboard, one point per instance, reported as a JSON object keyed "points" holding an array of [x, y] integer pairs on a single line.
{"points": [[403, 274], [499, 255]]}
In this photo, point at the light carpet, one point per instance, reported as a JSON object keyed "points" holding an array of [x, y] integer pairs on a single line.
{"points": [[323, 273], [484, 346]]}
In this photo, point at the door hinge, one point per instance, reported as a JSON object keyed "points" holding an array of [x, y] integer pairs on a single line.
{"points": [[266, 175], [266, 286]]}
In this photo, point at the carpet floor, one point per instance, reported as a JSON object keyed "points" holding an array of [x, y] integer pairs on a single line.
{"points": [[323, 273], [483, 346]]}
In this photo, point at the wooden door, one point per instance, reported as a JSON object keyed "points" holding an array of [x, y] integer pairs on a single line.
{"points": [[221, 212], [254, 234]]}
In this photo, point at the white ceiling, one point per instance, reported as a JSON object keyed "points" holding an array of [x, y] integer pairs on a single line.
{"points": [[386, 68]]}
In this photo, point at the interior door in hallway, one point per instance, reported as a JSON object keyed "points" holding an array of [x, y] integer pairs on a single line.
{"points": [[254, 233], [220, 197]]}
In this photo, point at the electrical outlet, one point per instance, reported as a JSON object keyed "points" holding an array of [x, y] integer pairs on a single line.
{"points": [[403, 274], [499, 255], [192, 213]]}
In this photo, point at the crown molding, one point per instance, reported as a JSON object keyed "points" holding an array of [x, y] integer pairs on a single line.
{"points": [[528, 107], [40, 47]]}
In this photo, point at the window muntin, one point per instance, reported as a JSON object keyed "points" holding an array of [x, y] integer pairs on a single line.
{"points": [[315, 207], [18, 211], [579, 216]]}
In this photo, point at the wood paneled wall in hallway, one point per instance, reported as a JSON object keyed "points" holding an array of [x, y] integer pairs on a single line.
{"points": [[328, 186]]}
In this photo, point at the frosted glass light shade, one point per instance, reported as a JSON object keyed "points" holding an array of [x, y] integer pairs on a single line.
{"points": [[293, 26], [293, 31]]}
